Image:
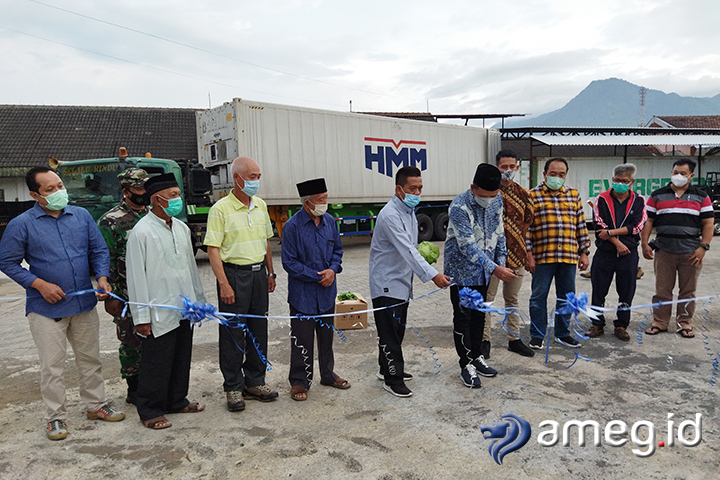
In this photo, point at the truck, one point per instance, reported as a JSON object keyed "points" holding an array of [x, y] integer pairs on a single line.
{"points": [[358, 155], [93, 185]]}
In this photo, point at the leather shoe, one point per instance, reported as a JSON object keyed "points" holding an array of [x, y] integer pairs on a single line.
{"points": [[622, 334]]}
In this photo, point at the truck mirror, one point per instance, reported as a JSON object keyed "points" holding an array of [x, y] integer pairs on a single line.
{"points": [[199, 181]]}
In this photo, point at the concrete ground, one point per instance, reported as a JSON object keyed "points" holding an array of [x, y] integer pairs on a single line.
{"points": [[364, 432]]}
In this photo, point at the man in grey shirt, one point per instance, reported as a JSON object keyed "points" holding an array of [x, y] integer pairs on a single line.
{"points": [[394, 259]]}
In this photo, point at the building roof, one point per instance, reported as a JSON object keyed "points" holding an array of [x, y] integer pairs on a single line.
{"points": [[685, 121], [521, 146], [31, 134], [622, 140]]}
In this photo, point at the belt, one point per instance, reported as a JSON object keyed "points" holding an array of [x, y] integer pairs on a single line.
{"points": [[254, 267]]}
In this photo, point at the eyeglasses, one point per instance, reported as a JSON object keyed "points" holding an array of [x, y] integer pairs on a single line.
{"points": [[624, 182]]}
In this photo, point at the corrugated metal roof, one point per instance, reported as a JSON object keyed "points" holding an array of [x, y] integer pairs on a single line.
{"points": [[621, 140]]}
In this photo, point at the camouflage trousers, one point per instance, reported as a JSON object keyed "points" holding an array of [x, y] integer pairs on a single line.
{"points": [[130, 343]]}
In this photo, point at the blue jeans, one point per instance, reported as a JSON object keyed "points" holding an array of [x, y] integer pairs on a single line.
{"points": [[564, 275]]}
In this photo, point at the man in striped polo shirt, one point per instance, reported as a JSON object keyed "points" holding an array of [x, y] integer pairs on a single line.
{"points": [[684, 222], [238, 233]]}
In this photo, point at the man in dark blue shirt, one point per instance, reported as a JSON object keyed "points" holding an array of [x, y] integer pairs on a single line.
{"points": [[311, 255], [58, 242]]}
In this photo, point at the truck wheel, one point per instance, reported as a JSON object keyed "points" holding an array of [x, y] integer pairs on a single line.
{"points": [[425, 228], [440, 224], [717, 228]]}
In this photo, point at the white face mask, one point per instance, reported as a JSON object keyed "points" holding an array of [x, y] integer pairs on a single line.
{"points": [[319, 209], [679, 180], [508, 175], [484, 202]]}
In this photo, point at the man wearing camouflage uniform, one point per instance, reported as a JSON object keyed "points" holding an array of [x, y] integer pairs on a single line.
{"points": [[115, 225]]}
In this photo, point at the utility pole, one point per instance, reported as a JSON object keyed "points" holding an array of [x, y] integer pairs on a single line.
{"points": [[641, 117]]}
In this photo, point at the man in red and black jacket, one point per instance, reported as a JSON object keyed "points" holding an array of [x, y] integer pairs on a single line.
{"points": [[620, 217]]}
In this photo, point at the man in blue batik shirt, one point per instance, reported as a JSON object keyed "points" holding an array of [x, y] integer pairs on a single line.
{"points": [[475, 250], [311, 255], [59, 242]]}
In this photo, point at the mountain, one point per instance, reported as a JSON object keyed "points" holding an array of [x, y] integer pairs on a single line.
{"points": [[616, 103]]}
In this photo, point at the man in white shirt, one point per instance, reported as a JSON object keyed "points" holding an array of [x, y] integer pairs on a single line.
{"points": [[160, 269]]}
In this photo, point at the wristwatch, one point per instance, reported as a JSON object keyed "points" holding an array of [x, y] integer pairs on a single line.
{"points": [[586, 251], [706, 246], [273, 275]]}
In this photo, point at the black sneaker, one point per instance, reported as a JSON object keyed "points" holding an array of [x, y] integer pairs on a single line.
{"points": [[537, 343], [261, 392], [483, 368], [569, 342], [469, 376], [398, 390], [485, 349], [235, 402], [406, 376], [517, 346]]}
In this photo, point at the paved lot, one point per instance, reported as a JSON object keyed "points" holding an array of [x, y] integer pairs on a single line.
{"points": [[366, 433]]}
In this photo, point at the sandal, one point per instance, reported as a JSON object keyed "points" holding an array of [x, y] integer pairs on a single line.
{"points": [[193, 407], [157, 423], [686, 333], [654, 330], [339, 383], [298, 393]]}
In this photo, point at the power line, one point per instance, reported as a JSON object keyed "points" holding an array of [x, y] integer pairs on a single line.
{"points": [[159, 68], [209, 52]]}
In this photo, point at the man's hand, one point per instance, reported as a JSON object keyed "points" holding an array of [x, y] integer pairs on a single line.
{"points": [[103, 285], [584, 262], [227, 294], [647, 251], [697, 257], [441, 280], [622, 249], [271, 284], [144, 329], [328, 277], [50, 292], [530, 263], [604, 234], [505, 274], [114, 307]]}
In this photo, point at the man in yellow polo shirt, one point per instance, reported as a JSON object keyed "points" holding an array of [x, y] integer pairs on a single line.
{"points": [[238, 233]]}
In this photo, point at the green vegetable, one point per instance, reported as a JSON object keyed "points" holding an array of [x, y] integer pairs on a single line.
{"points": [[429, 251], [347, 296]]}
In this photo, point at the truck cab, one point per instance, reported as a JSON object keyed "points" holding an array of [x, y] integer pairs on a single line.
{"points": [[93, 185]]}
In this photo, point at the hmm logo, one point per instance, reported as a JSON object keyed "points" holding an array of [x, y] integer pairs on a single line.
{"points": [[508, 436], [386, 153]]}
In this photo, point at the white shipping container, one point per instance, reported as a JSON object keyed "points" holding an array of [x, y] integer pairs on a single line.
{"points": [[357, 154]]}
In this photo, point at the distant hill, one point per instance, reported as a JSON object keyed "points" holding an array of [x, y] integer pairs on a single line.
{"points": [[616, 103]]}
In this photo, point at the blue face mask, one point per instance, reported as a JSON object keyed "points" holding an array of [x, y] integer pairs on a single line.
{"points": [[411, 200], [174, 206], [620, 187], [251, 187]]}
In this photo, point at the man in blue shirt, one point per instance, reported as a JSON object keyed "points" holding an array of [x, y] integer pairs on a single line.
{"points": [[475, 250], [311, 255], [57, 241], [394, 259]]}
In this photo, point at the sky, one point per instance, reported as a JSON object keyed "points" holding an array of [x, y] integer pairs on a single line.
{"points": [[478, 56]]}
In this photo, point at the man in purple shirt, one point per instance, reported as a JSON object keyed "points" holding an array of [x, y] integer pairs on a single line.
{"points": [[311, 255], [59, 242]]}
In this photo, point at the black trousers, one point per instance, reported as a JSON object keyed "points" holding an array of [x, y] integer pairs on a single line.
{"points": [[468, 326], [251, 297], [164, 376], [390, 324], [624, 268], [302, 333]]}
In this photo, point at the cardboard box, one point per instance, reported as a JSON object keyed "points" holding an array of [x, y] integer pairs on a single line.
{"points": [[351, 320]]}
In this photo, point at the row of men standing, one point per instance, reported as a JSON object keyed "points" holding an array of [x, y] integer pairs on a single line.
{"points": [[155, 264]]}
